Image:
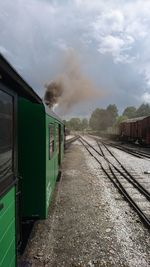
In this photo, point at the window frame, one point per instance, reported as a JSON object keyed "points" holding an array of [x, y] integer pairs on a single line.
{"points": [[7, 182], [57, 136], [51, 142]]}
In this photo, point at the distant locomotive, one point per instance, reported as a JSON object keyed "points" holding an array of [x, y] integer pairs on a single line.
{"points": [[136, 129], [31, 152]]}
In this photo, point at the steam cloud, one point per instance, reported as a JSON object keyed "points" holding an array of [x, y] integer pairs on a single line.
{"points": [[70, 88]]}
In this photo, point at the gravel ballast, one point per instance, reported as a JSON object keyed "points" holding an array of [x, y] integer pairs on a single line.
{"points": [[89, 223]]}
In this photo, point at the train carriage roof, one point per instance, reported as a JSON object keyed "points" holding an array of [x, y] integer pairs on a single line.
{"points": [[134, 119], [11, 78], [49, 112]]}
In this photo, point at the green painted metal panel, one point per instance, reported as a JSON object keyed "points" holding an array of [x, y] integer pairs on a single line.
{"points": [[31, 153], [56, 150], [62, 142], [13, 262], [10, 258], [38, 172], [7, 218], [7, 239], [8, 229], [52, 167], [49, 164]]}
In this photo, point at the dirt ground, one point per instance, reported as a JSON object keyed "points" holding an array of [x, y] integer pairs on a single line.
{"points": [[85, 229]]}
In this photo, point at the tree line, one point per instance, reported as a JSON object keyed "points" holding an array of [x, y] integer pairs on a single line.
{"points": [[77, 124], [101, 119]]}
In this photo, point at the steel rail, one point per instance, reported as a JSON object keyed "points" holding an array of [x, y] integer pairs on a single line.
{"points": [[127, 151], [71, 140], [138, 154], [130, 179], [118, 185], [135, 153]]}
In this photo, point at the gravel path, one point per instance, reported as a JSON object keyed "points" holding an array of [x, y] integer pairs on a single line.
{"points": [[89, 224]]}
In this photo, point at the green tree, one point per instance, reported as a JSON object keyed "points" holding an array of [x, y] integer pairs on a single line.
{"points": [[143, 110], [111, 114], [101, 119], [129, 112], [113, 110], [67, 124], [74, 124], [119, 119], [98, 120], [94, 119], [84, 124]]}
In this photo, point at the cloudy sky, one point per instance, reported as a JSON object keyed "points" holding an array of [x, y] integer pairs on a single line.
{"points": [[110, 37]]}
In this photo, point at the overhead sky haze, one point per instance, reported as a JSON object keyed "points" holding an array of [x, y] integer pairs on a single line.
{"points": [[110, 37]]}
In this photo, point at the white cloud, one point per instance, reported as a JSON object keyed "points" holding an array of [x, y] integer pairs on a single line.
{"points": [[111, 44], [115, 26], [89, 5], [62, 45], [33, 33], [4, 51], [137, 29], [146, 72], [117, 46], [106, 23], [146, 97], [109, 30]]}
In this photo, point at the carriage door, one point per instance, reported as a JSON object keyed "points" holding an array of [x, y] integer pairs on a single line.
{"points": [[7, 171]]}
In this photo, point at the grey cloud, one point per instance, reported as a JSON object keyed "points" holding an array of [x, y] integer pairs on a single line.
{"points": [[111, 40]]}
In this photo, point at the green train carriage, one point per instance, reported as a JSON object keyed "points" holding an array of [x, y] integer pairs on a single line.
{"points": [[31, 152], [40, 156]]}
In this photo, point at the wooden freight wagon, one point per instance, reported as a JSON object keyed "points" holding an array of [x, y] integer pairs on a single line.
{"points": [[135, 129], [145, 130]]}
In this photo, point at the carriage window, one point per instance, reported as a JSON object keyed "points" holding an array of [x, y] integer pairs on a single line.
{"points": [[6, 135], [51, 140], [57, 138]]}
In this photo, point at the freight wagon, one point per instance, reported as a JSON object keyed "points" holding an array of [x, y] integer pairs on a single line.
{"points": [[31, 152], [136, 129]]}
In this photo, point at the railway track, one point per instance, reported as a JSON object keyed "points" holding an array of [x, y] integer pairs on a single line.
{"points": [[133, 152], [70, 141], [123, 179]]}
